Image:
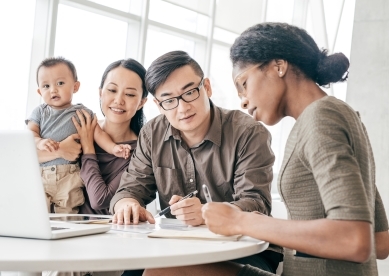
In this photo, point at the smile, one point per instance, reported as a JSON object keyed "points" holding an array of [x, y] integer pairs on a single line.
{"points": [[117, 110]]}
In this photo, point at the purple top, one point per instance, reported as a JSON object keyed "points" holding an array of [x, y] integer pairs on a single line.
{"points": [[101, 173]]}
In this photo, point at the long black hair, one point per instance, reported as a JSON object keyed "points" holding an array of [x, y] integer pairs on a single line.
{"points": [[139, 118], [265, 42]]}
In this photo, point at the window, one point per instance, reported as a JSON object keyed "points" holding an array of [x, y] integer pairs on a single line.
{"points": [[171, 42], [95, 33], [179, 17], [91, 46], [132, 6], [155, 48], [15, 57], [223, 90]]}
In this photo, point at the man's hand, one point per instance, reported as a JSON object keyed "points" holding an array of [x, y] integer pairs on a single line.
{"points": [[222, 218], [69, 149], [47, 145], [187, 210], [127, 209]]}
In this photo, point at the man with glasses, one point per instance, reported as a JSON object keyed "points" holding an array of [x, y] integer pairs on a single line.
{"points": [[192, 143]]}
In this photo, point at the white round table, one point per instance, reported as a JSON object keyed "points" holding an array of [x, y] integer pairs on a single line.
{"points": [[116, 250]]}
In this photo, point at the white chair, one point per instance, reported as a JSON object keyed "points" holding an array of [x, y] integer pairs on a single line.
{"points": [[279, 211]]}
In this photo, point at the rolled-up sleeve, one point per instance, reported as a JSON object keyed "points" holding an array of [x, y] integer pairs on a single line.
{"points": [[138, 180], [253, 171]]}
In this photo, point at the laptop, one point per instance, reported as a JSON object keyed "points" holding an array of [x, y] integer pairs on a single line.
{"points": [[23, 211]]}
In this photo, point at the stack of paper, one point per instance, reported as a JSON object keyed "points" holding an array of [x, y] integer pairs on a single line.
{"points": [[143, 228]]}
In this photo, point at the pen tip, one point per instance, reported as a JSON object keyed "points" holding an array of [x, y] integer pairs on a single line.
{"points": [[157, 216]]}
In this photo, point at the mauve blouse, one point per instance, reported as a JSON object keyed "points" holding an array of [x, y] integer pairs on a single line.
{"points": [[101, 173]]}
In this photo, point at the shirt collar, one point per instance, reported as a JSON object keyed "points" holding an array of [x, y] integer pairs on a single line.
{"points": [[214, 133]]}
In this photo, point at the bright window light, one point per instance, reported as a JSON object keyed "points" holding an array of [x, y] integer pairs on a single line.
{"points": [[16, 31], [159, 43], [224, 35], [132, 6], [91, 46], [178, 17]]}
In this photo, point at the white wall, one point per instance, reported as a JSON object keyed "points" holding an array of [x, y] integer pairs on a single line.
{"points": [[368, 85]]}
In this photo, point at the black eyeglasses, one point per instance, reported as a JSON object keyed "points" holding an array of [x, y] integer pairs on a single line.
{"points": [[188, 96]]}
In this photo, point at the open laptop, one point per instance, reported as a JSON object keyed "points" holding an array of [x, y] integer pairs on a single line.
{"points": [[23, 211]]}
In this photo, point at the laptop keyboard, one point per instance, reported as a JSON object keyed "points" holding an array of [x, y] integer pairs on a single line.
{"points": [[57, 228]]}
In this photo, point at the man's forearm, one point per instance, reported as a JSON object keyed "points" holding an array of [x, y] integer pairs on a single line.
{"points": [[253, 204]]}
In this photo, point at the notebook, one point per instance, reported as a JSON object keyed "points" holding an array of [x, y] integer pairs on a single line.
{"points": [[23, 210]]}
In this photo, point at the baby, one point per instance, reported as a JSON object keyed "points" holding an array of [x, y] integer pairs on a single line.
{"points": [[51, 123]]}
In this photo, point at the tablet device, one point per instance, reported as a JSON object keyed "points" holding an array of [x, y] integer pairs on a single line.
{"points": [[80, 219]]}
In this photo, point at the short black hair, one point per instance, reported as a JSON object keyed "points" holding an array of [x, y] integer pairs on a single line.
{"points": [[139, 118], [161, 68], [265, 42], [52, 61]]}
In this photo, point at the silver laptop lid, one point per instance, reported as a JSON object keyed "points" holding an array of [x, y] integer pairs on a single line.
{"points": [[23, 208]]}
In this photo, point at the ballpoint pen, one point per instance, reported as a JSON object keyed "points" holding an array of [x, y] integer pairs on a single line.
{"points": [[167, 209], [207, 194]]}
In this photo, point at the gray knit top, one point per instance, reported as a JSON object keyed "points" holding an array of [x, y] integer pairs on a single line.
{"points": [[328, 172]]}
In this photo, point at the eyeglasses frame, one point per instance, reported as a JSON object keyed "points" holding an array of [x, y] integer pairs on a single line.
{"points": [[180, 96]]}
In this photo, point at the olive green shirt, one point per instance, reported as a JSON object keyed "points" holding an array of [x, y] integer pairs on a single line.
{"points": [[328, 172], [234, 160]]}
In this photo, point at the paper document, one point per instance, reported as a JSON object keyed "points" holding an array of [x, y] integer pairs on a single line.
{"points": [[195, 233], [143, 228], [174, 224]]}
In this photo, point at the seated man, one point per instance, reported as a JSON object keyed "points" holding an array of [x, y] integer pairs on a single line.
{"points": [[192, 143]]}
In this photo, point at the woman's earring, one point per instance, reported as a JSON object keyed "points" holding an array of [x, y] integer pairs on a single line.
{"points": [[280, 73]]}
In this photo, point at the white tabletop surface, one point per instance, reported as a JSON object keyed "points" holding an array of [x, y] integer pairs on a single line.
{"points": [[117, 250]]}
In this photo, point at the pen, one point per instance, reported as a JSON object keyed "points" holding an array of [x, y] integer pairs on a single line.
{"points": [[167, 209], [207, 194]]}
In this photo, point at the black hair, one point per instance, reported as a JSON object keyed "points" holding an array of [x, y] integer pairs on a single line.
{"points": [[52, 61], [139, 118], [161, 68], [265, 42]]}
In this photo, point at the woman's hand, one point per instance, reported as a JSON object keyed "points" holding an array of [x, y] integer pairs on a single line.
{"points": [[85, 128], [69, 149], [222, 218]]}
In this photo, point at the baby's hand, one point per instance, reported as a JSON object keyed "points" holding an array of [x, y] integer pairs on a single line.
{"points": [[122, 150], [48, 145]]}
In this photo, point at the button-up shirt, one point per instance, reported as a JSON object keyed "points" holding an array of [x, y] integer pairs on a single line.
{"points": [[234, 160]]}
